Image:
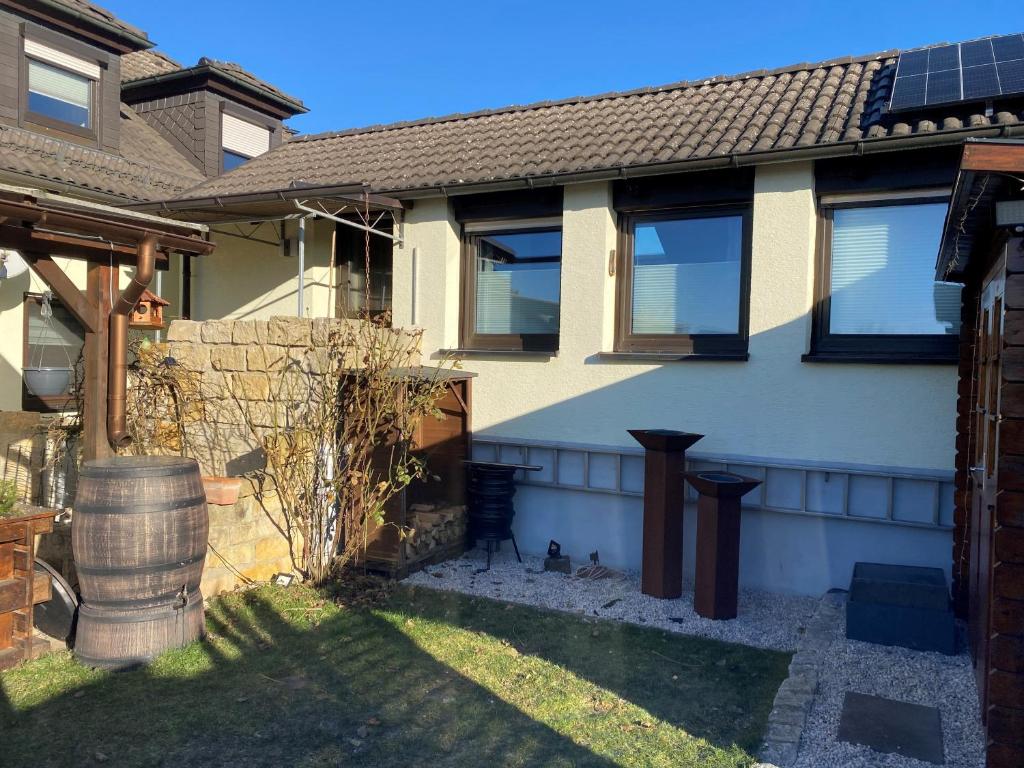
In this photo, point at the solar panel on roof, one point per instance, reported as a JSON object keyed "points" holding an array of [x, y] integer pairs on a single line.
{"points": [[980, 82], [976, 53], [943, 87], [1011, 76], [978, 70], [1008, 48]]}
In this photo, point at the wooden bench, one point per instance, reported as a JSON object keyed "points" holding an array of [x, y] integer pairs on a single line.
{"points": [[21, 587]]}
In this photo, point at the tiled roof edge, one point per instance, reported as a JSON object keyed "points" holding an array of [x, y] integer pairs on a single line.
{"points": [[212, 66], [679, 85]]}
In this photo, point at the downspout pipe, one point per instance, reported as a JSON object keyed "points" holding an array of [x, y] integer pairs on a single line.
{"points": [[117, 364]]}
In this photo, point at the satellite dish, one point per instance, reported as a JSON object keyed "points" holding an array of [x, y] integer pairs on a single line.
{"points": [[11, 264]]}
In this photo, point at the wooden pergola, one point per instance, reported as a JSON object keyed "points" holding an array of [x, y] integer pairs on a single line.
{"points": [[41, 226]]}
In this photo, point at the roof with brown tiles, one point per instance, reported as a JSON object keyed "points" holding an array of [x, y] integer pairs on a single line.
{"points": [[234, 70], [95, 13], [139, 65], [788, 108], [148, 168]]}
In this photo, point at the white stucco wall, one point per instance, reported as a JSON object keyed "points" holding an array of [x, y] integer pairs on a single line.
{"points": [[772, 406], [244, 279]]}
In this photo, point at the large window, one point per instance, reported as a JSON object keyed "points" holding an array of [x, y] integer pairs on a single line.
{"points": [[877, 293], [511, 288], [683, 282], [59, 88]]}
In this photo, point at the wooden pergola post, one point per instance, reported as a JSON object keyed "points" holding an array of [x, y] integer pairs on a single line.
{"points": [[96, 353]]}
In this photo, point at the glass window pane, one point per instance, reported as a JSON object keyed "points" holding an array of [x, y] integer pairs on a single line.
{"points": [[518, 278], [686, 276], [883, 272], [59, 94], [233, 160], [55, 345]]}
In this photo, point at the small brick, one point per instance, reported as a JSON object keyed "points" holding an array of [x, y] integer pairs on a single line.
{"points": [[244, 332], [251, 386], [290, 332], [184, 330], [227, 358], [217, 331]]}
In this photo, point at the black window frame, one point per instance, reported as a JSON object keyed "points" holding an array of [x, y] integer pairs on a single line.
{"points": [[704, 345], [826, 346], [469, 338]]}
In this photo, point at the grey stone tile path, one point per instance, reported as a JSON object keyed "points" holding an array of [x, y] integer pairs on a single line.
{"points": [[803, 728]]}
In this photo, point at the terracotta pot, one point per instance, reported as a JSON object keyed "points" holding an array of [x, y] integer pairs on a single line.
{"points": [[222, 490]]}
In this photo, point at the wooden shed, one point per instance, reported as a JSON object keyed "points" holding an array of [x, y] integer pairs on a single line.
{"points": [[983, 247], [434, 510]]}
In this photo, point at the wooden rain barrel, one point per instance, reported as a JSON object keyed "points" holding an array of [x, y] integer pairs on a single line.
{"points": [[139, 534]]}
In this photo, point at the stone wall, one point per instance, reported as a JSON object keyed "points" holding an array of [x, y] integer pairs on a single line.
{"points": [[247, 542], [240, 365]]}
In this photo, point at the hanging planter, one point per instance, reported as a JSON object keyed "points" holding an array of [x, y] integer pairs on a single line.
{"points": [[47, 382]]}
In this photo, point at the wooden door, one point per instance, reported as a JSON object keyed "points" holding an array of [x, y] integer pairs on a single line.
{"points": [[988, 354]]}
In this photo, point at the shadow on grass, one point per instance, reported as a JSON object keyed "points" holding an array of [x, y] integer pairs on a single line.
{"points": [[271, 688], [719, 692]]}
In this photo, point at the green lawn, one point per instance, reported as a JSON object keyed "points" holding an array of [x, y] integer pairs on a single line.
{"points": [[288, 678]]}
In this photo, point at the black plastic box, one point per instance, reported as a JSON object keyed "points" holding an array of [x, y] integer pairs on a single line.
{"points": [[902, 605]]}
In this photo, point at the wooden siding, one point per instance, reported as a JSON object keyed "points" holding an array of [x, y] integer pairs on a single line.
{"points": [[1004, 714]]}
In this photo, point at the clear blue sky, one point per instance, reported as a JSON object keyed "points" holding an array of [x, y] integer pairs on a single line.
{"points": [[357, 63]]}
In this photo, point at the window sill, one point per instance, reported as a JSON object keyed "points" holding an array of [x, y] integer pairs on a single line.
{"points": [[877, 359], [516, 353], [674, 357]]}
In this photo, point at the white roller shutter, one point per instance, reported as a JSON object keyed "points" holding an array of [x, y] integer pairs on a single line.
{"points": [[63, 60], [243, 137]]}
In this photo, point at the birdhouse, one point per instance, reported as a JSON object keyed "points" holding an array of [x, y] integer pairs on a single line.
{"points": [[149, 312]]}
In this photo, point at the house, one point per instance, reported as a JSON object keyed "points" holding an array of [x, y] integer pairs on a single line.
{"points": [[750, 258], [88, 110]]}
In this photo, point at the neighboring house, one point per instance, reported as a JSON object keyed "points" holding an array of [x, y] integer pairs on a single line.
{"points": [[749, 257], [88, 110]]}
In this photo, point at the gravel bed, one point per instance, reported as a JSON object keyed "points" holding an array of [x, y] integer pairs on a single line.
{"points": [[933, 679], [766, 620]]}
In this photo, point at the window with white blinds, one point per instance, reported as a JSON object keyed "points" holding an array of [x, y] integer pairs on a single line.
{"points": [[686, 275], [242, 137], [517, 277], [883, 272], [59, 94]]}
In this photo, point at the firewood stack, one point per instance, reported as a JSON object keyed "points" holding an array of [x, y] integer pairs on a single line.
{"points": [[436, 532]]}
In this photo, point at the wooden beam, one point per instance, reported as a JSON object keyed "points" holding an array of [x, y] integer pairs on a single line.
{"points": [[77, 304], [96, 351], [1007, 158], [26, 239]]}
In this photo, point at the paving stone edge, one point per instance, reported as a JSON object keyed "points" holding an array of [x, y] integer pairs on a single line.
{"points": [[795, 697]]}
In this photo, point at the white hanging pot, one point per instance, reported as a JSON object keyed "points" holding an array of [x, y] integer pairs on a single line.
{"points": [[47, 382]]}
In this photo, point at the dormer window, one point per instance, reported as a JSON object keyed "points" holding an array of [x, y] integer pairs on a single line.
{"points": [[241, 140], [60, 89]]}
